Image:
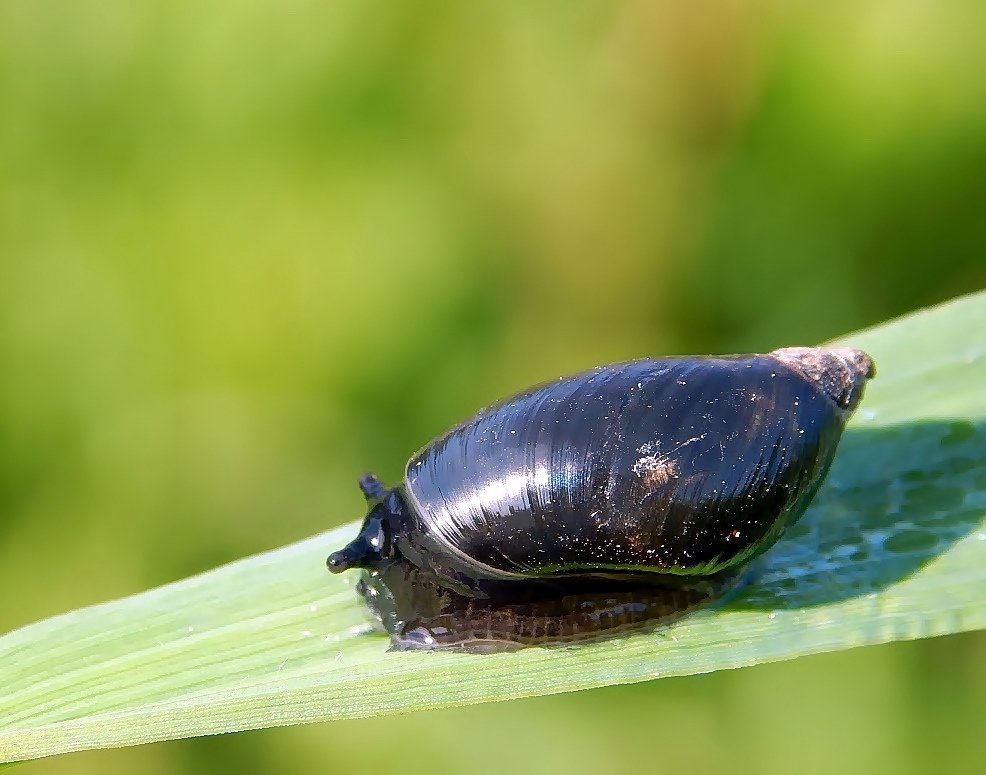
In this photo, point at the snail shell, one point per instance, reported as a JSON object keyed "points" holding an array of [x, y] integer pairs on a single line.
{"points": [[622, 496]]}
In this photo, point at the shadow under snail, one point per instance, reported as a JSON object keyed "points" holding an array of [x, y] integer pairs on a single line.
{"points": [[620, 498]]}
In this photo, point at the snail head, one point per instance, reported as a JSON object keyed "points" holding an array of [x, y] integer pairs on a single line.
{"points": [[373, 545]]}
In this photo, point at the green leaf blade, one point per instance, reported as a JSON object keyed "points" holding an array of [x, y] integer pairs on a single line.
{"points": [[893, 548]]}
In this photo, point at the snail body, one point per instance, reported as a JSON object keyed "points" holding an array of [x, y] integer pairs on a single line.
{"points": [[620, 497]]}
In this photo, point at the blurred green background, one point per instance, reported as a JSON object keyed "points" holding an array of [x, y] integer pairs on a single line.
{"points": [[249, 250]]}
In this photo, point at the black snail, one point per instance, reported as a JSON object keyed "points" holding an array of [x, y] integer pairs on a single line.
{"points": [[621, 497]]}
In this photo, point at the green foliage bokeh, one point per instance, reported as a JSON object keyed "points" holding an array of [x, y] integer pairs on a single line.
{"points": [[249, 250]]}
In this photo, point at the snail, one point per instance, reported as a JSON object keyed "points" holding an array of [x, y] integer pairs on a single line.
{"points": [[601, 503]]}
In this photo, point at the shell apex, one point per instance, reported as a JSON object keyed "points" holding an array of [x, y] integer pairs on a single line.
{"points": [[840, 372]]}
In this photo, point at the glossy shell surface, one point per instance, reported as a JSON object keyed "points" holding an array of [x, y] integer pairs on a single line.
{"points": [[680, 466]]}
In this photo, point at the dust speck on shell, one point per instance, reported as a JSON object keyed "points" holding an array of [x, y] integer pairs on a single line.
{"points": [[655, 470]]}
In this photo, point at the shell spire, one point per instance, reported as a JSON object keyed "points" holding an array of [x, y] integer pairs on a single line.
{"points": [[840, 372]]}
